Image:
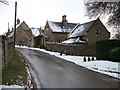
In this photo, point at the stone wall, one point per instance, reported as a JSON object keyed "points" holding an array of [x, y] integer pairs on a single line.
{"points": [[7, 51], [0, 61], [81, 49]]}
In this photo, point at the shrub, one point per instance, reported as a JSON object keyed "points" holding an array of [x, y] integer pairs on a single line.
{"points": [[103, 48], [114, 54]]}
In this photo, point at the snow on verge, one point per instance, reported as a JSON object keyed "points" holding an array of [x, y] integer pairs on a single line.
{"points": [[101, 66], [15, 87]]}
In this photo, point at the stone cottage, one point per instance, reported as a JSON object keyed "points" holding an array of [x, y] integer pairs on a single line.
{"points": [[23, 36], [88, 33], [57, 31], [37, 33]]}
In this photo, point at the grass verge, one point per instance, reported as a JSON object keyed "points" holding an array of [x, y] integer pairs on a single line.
{"points": [[15, 72]]}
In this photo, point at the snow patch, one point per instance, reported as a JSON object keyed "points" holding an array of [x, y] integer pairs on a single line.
{"points": [[17, 87], [35, 31]]}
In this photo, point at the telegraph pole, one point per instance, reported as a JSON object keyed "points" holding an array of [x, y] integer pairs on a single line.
{"points": [[15, 23]]}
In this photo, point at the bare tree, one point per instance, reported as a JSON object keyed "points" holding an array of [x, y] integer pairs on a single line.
{"points": [[102, 9], [4, 2]]}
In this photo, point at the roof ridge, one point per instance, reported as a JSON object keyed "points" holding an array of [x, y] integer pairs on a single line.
{"points": [[88, 22], [61, 22]]}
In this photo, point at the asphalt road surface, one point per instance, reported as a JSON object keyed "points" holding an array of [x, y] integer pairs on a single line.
{"points": [[49, 71]]}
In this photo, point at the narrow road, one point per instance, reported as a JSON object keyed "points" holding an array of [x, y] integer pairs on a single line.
{"points": [[52, 72]]}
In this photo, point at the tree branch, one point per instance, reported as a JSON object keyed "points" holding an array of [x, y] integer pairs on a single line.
{"points": [[4, 2]]}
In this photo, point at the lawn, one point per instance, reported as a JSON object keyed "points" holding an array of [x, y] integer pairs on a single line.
{"points": [[15, 72]]}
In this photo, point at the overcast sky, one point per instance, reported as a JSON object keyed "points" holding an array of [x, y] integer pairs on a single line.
{"points": [[36, 12]]}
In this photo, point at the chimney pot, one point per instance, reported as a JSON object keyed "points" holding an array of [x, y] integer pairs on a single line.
{"points": [[64, 20]]}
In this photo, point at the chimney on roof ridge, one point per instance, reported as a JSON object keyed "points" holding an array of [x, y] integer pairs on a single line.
{"points": [[64, 20]]}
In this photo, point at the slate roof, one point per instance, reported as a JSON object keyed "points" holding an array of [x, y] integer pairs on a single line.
{"points": [[35, 32], [80, 29], [11, 34], [73, 40], [59, 27]]}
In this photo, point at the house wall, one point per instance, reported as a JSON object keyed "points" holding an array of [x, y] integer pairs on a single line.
{"points": [[48, 33], [83, 50], [21, 37], [97, 32], [54, 36], [24, 35], [60, 37]]}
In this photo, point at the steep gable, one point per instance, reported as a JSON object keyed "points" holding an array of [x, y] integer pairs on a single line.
{"points": [[24, 26], [89, 32], [80, 29], [35, 31]]}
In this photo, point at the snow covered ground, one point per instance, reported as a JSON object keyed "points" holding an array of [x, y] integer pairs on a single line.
{"points": [[14, 87], [101, 66]]}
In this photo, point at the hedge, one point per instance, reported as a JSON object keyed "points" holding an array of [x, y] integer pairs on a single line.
{"points": [[103, 48], [114, 54]]}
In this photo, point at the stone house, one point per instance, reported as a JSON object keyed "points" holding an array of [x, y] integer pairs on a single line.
{"points": [[37, 33], [57, 31], [23, 36], [88, 33]]}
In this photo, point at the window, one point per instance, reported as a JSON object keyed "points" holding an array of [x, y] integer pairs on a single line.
{"points": [[97, 32], [58, 40]]}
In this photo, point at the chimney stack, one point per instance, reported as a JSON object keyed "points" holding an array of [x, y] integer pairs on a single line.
{"points": [[64, 21]]}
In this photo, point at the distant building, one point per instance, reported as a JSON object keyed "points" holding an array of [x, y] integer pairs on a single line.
{"points": [[37, 33], [23, 36]]}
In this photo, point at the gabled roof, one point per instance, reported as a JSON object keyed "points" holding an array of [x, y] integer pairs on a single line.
{"points": [[59, 27], [80, 29], [35, 31], [26, 29], [24, 26]]}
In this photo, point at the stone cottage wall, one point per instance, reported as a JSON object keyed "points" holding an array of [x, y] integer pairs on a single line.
{"points": [[82, 50]]}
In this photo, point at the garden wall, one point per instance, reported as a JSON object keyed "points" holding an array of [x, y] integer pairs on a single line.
{"points": [[70, 49]]}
